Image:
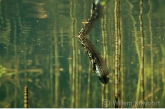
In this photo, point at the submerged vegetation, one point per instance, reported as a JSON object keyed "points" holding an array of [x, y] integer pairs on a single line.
{"points": [[38, 49]]}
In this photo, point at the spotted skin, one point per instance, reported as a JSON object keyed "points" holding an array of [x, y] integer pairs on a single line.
{"points": [[98, 64]]}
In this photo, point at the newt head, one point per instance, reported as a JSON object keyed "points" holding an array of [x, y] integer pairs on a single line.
{"points": [[104, 79], [102, 76]]}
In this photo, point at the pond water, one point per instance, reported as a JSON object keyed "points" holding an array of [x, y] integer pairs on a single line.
{"points": [[38, 49]]}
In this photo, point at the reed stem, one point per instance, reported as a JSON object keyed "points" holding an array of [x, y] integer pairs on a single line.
{"points": [[119, 51], [151, 50], [15, 64], [51, 77], [88, 89], [116, 56], [76, 62], [142, 52], [137, 49], [162, 70], [57, 73], [121, 63], [73, 74], [103, 94], [105, 55], [72, 14], [110, 43], [26, 97]]}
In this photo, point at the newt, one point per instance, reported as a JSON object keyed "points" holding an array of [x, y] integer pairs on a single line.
{"points": [[98, 64]]}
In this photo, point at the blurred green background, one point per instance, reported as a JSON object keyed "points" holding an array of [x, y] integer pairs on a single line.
{"points": [[38, 48]]}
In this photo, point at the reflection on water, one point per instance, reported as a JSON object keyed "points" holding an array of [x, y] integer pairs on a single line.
{"points": [[35, 8], [38, 48]]}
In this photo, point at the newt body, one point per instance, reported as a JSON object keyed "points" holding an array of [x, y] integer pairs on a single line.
{"points": [[98, 64]]}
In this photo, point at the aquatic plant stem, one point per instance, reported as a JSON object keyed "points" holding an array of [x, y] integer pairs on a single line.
{"points": [[105, 54], [88, 89], [15, 65], [162, 70], [121, 63], [73, 74], [116, 56], [51, 77], [104, 37], [111, 36], [76, 56], [103, 94], [137, 48], [72, 14], [57, 73], [26, 97], [151, 50], [142, 52], [119, 51]]}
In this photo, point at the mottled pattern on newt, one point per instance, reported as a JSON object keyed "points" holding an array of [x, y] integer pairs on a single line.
{"points": [[96, 13], [98, 64]]}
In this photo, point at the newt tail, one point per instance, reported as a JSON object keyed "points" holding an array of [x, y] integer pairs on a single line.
{"points": [[96, 13]]}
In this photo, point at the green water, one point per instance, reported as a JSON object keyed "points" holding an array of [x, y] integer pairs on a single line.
{"points": [[38, 48]]}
